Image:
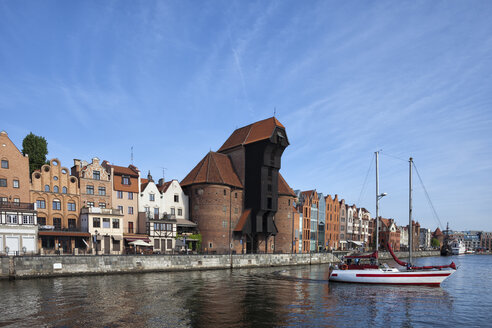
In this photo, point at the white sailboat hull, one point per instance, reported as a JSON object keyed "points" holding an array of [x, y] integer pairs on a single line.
{"points": [[391, 276]]}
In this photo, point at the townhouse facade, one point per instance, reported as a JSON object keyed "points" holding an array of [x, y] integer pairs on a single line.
{"points": [[18, 215], [57, 197], [332, 235], [389, 233]]}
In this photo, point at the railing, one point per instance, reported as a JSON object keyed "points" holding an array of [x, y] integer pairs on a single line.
{"points": [[16, 205], [99, 210]]}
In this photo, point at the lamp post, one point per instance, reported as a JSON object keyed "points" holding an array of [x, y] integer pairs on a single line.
{"points": [[95, 241]]}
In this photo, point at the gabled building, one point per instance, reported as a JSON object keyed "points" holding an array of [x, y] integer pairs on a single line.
{"points": [[308, 206], [97, 215], [126, 184], [332, 235], [57, 197], [343, 225], [18, 215], [389, 232]]}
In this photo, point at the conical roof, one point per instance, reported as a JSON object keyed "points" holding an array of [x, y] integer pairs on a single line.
{"points": [[214, 168]]}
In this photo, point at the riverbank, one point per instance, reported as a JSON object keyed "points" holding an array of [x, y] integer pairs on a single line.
{"points": [[25, 267]]}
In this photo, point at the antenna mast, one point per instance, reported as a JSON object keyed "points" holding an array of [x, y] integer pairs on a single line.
{"points": [[131, 155]]}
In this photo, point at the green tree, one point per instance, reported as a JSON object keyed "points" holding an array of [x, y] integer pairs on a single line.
{"points": [[37, 149], [435, 243]]}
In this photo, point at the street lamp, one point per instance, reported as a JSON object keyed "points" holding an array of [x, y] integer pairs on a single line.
{"points": [[95, 241], [382, 195]]}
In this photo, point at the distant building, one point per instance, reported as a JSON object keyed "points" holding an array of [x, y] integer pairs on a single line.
{"points": [[343, 225], [486, 241], [389, 233], [425, 238], [18, 215], [332, 234]]}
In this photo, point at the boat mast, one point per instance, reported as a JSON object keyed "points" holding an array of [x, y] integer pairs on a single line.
{"points": [[377, 201], [410, 227]]}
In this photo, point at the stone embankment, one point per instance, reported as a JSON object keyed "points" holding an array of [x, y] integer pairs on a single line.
{"points": [[21, 267]]}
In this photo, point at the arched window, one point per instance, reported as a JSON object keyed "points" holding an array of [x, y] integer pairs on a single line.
{"points": [[46, 188], [64, 190], [55, 189]]}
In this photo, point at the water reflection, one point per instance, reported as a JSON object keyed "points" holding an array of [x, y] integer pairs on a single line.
{"points": [[293, 296]]}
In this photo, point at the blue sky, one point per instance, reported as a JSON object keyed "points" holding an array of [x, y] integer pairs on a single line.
{"points": [[173, 79]]}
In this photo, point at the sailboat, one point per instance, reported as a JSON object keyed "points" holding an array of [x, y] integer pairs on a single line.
{"points": [[373, 273]]}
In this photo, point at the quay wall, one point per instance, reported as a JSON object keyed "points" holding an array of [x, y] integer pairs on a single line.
{"points": [[22, 267]]}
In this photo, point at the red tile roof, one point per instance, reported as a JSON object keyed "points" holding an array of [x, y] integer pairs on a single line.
{"points": [[214, 168], [254, 132], [242, 220], [284, 188], [121, 170], [143, 184], [163, 188]]}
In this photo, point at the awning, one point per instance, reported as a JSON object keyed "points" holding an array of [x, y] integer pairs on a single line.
{"points": [[358, 243], [131, 239], [342, 242], [117, 237], [185, 223], [140, 243]]}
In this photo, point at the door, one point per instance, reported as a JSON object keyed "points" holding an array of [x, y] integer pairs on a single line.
{"points": [[107, 245], [28, 243], [13, 244]]}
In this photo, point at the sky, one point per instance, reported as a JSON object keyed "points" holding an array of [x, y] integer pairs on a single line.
{"points": [[173, 79]]}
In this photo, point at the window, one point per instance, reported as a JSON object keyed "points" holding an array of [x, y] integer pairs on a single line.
{"points": [[57, 223], [102, 191], [40, 203], [71, 206], [130, 195], [235, 195], [119, 194], [89, 190], [102, 205], [125, 180], [42, 221], [3, 199], [156, 244], [169, 244], [236, 210], [96, 175], [64, 190], [169, 227], [147, 209], [269, 202], [130, 209], [180, 212], [225, 192], [71, 224], [156, 211], [173, 211], [12, 218], [224, 224], [55, 178], [56, 204], [15, 183], [96, 222], [224, 209], [46, 188], [106, 223], [157, 227], [55, 189], [120, 208], [3, 182], [210, 245], [5, 164], [176, 198], [289, 202], [151, 197], [130, 227]]}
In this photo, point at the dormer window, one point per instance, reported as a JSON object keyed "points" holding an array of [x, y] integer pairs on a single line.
{"points": [[125, 180]]}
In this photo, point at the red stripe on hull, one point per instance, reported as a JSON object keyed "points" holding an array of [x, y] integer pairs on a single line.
{"points": [[402, 275], [430, 284]]}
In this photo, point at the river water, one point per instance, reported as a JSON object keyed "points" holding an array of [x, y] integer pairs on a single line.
{"points": [[264, 297]]}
